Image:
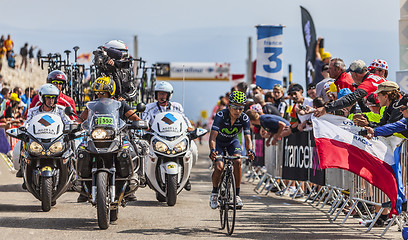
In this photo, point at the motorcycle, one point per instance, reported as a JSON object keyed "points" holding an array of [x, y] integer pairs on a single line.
{"points": [[46, 157], [107, 163], [170, 158]]}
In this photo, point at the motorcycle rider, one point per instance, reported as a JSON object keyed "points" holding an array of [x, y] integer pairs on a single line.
{"points": [[226, 126], [59, 79], [163, 92], [48, 95], [113, 60], [105, 87]]}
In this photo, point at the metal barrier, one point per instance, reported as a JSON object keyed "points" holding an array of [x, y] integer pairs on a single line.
{"points": [[342, 189]]}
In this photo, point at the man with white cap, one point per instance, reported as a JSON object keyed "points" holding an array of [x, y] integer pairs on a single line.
{"points": [[367, 84]]}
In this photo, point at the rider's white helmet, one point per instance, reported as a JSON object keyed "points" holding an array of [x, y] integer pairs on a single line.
{"points": [[163, 87], [48, 89]]}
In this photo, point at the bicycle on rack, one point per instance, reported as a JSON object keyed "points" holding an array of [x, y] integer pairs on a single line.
{"points": [[227, 193]]}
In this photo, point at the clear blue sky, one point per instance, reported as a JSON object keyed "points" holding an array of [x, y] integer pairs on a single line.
{"points": [[207, 31]]}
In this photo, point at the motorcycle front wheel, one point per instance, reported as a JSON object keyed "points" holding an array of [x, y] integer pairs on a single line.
{"points": [[102, 203], [171, 190], [46, 193]]}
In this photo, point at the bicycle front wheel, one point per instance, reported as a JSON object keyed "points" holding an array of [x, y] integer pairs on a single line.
{"points": [[222, 200], [231, 206]]}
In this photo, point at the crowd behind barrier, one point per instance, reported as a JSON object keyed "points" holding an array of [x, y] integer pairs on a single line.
{"points": [[345, 193]]}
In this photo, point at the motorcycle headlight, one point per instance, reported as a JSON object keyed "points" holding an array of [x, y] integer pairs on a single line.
{"points": [[160, 146], [56, 147], [181, 146], [99, 134], [35, 147]]}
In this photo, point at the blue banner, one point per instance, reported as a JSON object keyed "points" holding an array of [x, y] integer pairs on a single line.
{"points": [[269, 56]]}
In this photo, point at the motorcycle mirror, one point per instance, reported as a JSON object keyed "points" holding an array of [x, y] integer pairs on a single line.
{"points": [[139, 125], [140, 107], [198, 132], [68, 111]]}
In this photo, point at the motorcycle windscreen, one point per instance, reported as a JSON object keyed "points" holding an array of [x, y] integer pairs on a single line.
{"points": [[103, 112], [45, 126], [169, 124]]}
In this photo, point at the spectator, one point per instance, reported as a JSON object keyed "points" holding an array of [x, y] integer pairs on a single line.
{"points": [[3, 52], [299, 118], [273, 127], [320, 92], [257, 90], [39, 53], [269, 97], [31, 53], [2, 39], [379, 67], [11, 59], [279, 101], [242, 87], [337, 71], [24, 56], [267, 108], [367, 84], [322, 58], [9, 45], [311, 91], [1, 82]]}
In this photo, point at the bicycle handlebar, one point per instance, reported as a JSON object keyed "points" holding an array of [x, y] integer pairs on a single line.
{"points": [[232, 157]]}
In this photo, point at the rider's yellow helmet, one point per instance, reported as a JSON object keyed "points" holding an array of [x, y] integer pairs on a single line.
{"points": [[104, 84]]}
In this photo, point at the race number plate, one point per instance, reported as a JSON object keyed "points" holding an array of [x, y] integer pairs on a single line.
{"points": [[105, 121]]}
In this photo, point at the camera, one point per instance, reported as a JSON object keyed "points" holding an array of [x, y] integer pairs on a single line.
{"points": [[363, 132]]}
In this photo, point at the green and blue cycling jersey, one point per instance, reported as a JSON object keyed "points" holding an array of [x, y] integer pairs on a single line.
{"points": [[227, 137]]}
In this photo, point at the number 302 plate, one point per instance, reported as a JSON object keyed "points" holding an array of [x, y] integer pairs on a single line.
{"points": [[105, 121]]}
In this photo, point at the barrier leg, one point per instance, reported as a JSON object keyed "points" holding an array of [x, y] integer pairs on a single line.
{"points": [[317, 194], [328, 197], [350, 211], [374, 220], [313, 190], [323, 195], [274, 183], [394, 218], [341, 209], [335, 203], [261, 181], [268, 183]]}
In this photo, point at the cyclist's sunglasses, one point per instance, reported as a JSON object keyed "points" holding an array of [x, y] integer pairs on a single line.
{"points": [[236, 107], [56, 82], [50, 96], [99, 93]]}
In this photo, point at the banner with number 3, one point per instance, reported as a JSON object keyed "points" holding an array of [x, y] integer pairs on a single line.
{"points": [[269, 56]]}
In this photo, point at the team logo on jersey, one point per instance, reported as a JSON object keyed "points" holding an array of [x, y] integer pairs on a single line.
{"points": [[46, 121], [169, 118], [225, 130]]}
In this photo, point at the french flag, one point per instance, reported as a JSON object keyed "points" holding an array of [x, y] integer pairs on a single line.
{"points": [[376, 160]]}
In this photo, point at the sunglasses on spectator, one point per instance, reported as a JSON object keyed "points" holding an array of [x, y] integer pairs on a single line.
{"points": [[56, 82], [99, 93], [277, 86], [50, 96], [236, 107]]}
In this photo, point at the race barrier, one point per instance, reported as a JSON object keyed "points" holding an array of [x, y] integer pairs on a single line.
{"points": [[295, 160]]}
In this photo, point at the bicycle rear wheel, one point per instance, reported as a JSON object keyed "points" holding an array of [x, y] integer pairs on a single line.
{"points": [[222, 201], [231, 206]]}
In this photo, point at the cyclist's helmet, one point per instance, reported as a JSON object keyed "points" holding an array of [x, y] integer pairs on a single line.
{"points": [[237, 97], [163, 87], [104, 84], [378, 63], [118, 45], [47, 90], [57, 75]]}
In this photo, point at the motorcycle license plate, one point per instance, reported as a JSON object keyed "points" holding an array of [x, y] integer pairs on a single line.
{"points": [[171, 166], [105, 121]]}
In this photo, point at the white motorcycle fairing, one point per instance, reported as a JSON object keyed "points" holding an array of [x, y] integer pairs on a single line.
{"points": [[169, 129]]}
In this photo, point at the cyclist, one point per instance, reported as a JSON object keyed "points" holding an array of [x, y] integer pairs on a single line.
{"points": [[59, 79], [162, 93], [226, 126]]}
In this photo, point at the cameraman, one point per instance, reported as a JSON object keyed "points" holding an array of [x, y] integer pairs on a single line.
{"points": [[113, 60]]}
